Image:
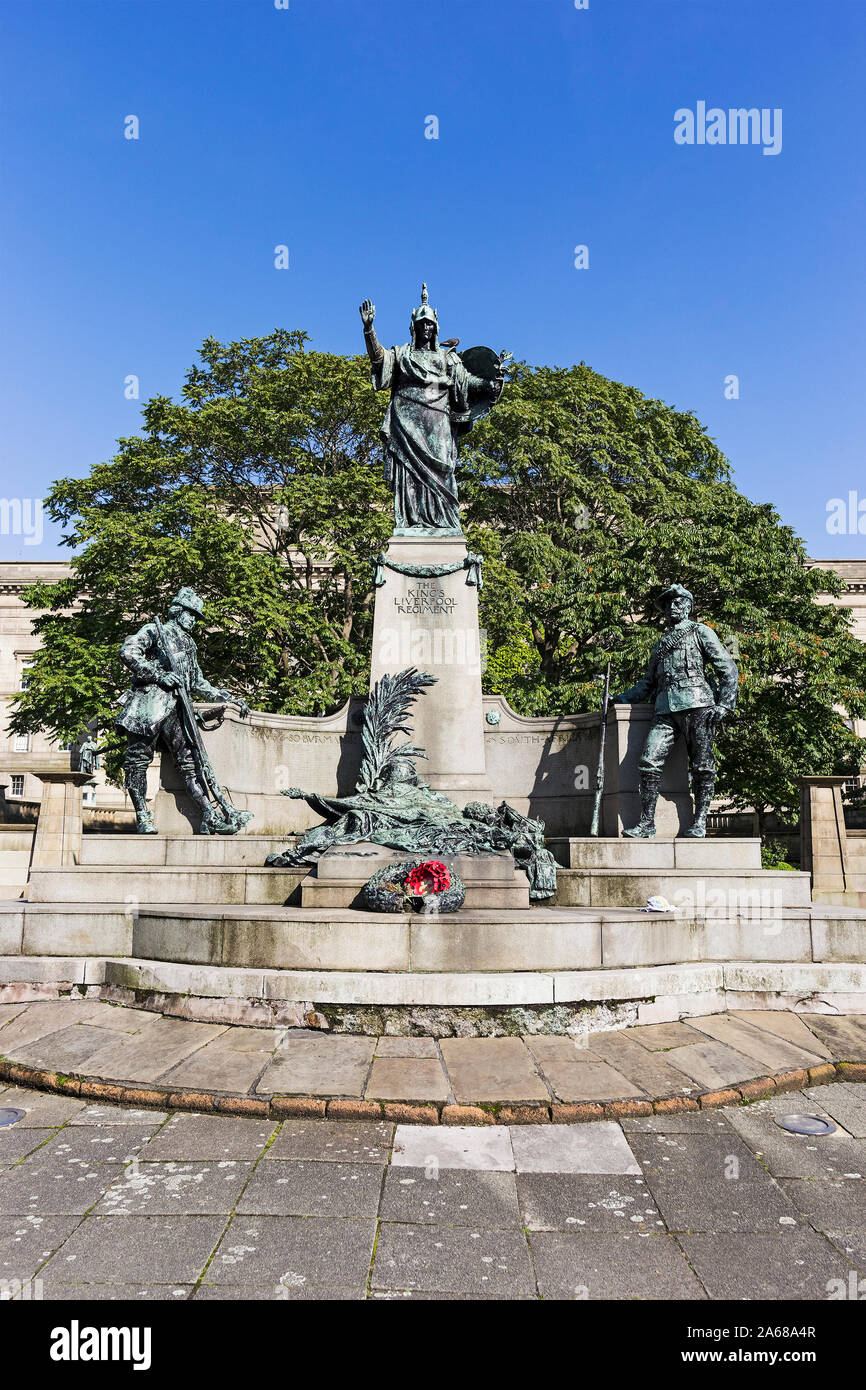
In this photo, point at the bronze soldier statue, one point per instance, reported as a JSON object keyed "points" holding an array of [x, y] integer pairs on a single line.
{"points": [[688, 704], [157, 711]]}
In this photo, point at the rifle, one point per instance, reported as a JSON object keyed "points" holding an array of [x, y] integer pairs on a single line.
{"points": [[599, 775], [203, 762]]}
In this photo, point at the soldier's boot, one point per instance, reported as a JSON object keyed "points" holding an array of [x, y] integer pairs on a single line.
{"points": [[136, 785], [648, 788], [202, 801], [705, 785]]}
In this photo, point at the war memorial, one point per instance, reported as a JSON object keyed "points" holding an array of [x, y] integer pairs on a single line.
{"points": [[427, 862]]}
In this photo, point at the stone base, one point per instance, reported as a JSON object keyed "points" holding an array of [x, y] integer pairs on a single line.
{"points": [[469, 1005], [492, 881]]}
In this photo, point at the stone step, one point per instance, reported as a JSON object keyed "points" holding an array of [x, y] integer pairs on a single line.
{"points": [[713, 891], [657, 995], [591, 852], [137, 884], [661, 993], [203, 851]]}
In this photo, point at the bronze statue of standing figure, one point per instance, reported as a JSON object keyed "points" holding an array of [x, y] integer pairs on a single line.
{"points": [[436, 395], [689, 704], [157, 712]]}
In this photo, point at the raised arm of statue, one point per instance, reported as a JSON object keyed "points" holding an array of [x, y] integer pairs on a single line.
{"points": [[375, 351]]}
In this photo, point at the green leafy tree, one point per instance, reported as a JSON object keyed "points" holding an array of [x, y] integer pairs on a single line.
{"points": [[262, 488], [587, 499], [258, 489]]}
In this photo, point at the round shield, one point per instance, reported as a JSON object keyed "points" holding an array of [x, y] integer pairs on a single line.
{"points": [[487, 364]]}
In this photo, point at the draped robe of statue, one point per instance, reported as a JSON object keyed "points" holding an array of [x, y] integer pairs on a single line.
{"points": [[430, 404]]}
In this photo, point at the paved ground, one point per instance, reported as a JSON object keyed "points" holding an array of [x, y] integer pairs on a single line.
{"points": [[716, 1060], [100, 1202]]}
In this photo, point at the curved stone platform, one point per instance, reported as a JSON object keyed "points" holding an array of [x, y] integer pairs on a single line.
{"points": [[89, 1049]]}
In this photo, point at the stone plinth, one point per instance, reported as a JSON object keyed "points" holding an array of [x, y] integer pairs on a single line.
{"points": [[432, 624], [492, 881], [57, 842], [824, 840]]}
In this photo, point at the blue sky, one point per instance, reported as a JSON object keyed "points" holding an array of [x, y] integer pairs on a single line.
{"points": [[306, 127]]}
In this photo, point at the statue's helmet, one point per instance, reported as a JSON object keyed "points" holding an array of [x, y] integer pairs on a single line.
{"points": [[673, 591], [424, 311], [187, 598]]}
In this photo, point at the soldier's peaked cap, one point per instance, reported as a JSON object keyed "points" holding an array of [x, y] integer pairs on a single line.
{"points": [[674, 591], [188, 599]]}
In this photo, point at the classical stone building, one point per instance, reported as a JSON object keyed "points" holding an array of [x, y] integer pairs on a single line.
{"points": [[18, 642], [854, 574]]}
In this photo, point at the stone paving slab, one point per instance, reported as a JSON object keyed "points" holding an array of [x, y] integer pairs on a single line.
{"points": [[711, 1183], [828, 1205], [315, 1064], [651, 1074], [151, 1053], [578, 1201], [488, 1148], [406, 1047], [660, 1037], [332, 1143], [453, 1259], [592, 1148], [41, 1185], [187, 1189], [799, 1155], [90, 1144], [492, 1069], [43, 1108], [269, 1293], [771, 1052], [713, 1065], [355, 1210], [783, 1024], [788, 1265], [53, 1292], [598, 1266], [407, 1078], [136, 1250], [451, 1197], [845, 1103], [67, 1050], [93, 1051], [313, 1189], [845, 1036], [294, 1250], [187, 1138], [218, 1068], [15, 1143], [111, 1114], [26, 1242], [574, 1073]]}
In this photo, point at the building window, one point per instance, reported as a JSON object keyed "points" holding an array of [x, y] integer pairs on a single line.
{"points": [[17, 785], [22, 743]]}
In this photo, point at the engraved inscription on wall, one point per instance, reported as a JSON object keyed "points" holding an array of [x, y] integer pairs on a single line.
{"points": [[425, 596]]}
